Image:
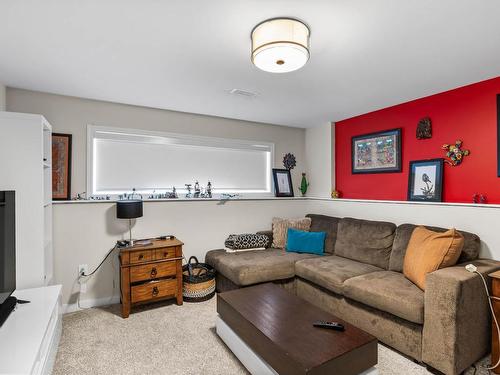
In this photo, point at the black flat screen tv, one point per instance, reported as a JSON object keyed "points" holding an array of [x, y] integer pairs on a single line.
{"points": [[7, 245]]}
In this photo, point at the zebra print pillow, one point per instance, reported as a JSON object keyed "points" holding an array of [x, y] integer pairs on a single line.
{"points": [[247, 241]]}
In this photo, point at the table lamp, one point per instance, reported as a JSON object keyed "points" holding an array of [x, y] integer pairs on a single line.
{"points": [[129, 209]]}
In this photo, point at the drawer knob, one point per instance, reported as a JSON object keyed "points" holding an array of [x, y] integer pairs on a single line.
{"points": [[141, 256], [155, 291], [153, 272], [165, 255]]}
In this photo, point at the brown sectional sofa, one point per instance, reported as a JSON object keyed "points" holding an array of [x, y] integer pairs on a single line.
{"points": [[447, 327]]}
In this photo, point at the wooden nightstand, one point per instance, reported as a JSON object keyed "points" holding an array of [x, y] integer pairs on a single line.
{"points": [[495, 292], [150, 273]]}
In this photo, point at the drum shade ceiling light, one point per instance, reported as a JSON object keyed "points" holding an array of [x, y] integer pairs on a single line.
{"points": [[280, 45]]}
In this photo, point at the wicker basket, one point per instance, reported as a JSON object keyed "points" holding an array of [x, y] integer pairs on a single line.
{"points": [[198, 281]]}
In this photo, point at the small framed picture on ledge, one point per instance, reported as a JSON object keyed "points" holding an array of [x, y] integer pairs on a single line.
{"points": [[425, 181], [282, 183]]}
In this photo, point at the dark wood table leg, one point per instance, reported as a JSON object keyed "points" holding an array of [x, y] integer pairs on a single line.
{"points": [[179, 282], [125, 291]]}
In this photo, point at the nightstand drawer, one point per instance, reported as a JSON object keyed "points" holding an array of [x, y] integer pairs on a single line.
{"points": [[141, 256], [152, 271], [154, 289], [166, 253]]}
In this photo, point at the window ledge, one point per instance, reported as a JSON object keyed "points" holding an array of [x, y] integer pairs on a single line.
{"points": [[173, 200]]}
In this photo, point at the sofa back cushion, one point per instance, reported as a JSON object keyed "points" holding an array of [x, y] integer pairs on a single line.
{"points": [[328, 224], [280, 229], [470, 250], [366, 241]]}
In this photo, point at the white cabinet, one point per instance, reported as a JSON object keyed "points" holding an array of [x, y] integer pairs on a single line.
{"points": [[26, 167], [30, 336]]}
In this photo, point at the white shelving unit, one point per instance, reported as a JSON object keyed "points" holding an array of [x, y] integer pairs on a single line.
{"points": [[26, 154]]}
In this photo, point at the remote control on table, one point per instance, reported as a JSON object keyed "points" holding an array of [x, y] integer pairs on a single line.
{"points": [[331, 325]]}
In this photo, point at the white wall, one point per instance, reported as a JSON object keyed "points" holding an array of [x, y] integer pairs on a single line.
{"points": [[84, 232], [3, 97], [72, 115], [319, 160]]}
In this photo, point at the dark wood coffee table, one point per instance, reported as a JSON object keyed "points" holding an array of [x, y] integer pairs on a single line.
{"points": [[271, 332]]}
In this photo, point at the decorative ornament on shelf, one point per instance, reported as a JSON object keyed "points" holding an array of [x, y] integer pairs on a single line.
{"points": [[303, 185], [289, 161], [335, 194], [479, 198], [424, 128], [454, 153]]}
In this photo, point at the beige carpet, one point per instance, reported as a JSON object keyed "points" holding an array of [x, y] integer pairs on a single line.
{"points": [[166, 339]]}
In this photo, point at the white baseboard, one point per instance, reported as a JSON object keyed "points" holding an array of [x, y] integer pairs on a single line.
{"points": [[88, 303]]}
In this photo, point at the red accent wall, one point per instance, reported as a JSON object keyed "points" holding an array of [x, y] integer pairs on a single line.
{"points": [[468, 113]]}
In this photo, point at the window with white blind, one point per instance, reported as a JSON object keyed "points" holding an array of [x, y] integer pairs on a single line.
{"points": [[119, 160]]}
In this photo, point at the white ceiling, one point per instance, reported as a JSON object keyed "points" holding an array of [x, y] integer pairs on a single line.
{"points": [[186, 55]]}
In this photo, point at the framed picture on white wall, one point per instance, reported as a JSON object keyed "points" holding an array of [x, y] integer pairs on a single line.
{"points": [[282, 183]]}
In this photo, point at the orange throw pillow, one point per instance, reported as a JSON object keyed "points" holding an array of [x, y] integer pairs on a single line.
{"points": [[429, 251]]}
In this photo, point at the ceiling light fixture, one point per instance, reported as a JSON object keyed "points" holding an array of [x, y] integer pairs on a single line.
{"points": [[280, 45]]}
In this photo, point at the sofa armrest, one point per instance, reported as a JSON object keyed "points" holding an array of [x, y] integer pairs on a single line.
{"points": [[457, 318], [269, 234]]}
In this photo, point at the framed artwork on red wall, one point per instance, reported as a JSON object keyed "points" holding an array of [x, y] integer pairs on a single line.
{"points": [[378, 152], [425, 182], [498, 135]]}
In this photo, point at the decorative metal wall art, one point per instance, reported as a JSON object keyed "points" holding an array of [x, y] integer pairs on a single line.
{"points": [[424, 128], [454, 153], [289, 161]]}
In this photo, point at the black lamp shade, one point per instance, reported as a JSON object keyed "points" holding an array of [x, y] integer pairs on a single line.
{"points": [[129, 209]]}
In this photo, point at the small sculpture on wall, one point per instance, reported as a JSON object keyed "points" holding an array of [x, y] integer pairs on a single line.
{"points": [[424, 128], [289, 161], [454, 153]]}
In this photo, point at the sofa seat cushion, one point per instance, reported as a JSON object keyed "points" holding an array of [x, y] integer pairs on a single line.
{"points": [[253, 267], [330, 272], [388, 291]]}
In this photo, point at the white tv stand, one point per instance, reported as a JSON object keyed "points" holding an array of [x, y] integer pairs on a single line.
{"points": [[29, 338]]}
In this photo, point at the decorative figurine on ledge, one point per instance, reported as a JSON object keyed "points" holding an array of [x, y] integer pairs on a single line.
{"points": [[209, 190], [173, 194], [188, 188], [479, 198], [197, 190], [303, 185], [335, 194], [455, 153]]}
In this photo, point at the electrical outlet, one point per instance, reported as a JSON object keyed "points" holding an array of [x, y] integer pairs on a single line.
{"points": [[82, 269]]}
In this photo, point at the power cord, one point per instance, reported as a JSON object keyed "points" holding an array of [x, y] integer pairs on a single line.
{"points": [[473, 269], [100, 264]]}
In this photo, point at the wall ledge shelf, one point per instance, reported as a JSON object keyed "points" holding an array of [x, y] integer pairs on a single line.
{"points": [[86, 201], [338, 200], [375, 201]]}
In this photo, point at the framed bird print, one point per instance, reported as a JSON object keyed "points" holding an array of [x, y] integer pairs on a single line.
{"points": [[425, 181]]}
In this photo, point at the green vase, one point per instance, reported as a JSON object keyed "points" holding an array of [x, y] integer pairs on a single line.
{"points": [[303, 185]]}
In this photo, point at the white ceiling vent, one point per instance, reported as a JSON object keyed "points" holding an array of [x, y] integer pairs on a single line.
{"points": [[243, 93]]}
